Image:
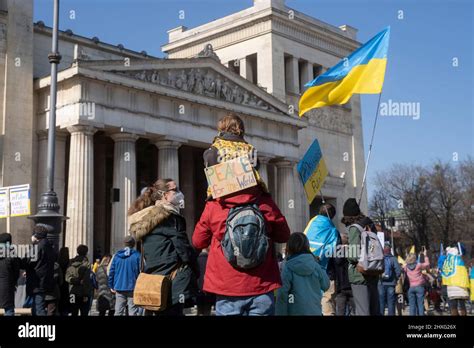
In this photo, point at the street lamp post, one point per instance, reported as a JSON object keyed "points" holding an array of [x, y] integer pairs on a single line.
{"points": [[48, 207]]}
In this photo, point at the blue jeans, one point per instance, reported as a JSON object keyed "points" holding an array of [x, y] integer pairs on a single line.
{"points": [[387, 297], [124, 302], [258, 305], [416, 297], [9, 311], [39, 304]]}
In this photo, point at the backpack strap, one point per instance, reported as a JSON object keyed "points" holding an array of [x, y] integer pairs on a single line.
{"points": [[142, 257], [356, 225]]}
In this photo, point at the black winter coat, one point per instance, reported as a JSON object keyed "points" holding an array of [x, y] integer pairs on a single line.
{"points": [[9, 273], [40, 272], [165, 247]]}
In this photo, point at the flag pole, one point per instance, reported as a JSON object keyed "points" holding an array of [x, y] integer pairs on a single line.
{"points": [[324, 202], [370, 149]]}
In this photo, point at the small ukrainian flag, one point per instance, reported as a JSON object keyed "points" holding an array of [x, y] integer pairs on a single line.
{"points": [[363, 72]]}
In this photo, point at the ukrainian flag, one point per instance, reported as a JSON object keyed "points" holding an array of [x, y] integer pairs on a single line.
{"points": [[454, 273], [363, 71], [471, 278]]}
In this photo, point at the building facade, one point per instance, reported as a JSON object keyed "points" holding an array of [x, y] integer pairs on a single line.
{"points": [[125, 119]]}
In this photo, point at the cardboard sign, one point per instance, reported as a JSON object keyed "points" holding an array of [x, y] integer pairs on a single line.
{"points": [[312, 170], [230, 176], [381, 237], [20, 200]]}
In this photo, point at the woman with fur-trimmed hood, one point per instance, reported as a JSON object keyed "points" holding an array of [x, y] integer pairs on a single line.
{"points": [[156, 222]]}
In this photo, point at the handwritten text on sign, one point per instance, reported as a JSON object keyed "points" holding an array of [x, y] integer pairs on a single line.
{"points": [[312, 170], [230, 176]]}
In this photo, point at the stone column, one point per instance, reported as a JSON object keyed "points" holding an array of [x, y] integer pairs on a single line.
{"points": [[263, 168], [168, 164], [59, 168], [246, 69], [80, 190], [125, 179], [286, 191], [271, 69], [188, 187], [292, 75], [306, 75]]}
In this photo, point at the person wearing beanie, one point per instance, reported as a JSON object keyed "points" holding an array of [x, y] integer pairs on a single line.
{"points": [[388, 281], [40, 269], [9, 273], [123, 274], [351, 208], [364, 287], [78, 275]]}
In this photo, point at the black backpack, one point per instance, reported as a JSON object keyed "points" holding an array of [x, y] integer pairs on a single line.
{"points": [[245, 243]]}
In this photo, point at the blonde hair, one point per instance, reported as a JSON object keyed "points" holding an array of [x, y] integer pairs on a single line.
{"points": [[105, 260], [411, 258]]}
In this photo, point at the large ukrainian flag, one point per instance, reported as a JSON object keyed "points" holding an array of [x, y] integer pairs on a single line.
{"points": [[363, 71], [454, 273]]}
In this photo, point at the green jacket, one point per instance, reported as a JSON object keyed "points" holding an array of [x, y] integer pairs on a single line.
{"points": [[78, 275], [355, 277]]}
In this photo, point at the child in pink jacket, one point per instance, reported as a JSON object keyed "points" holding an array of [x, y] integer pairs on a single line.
{"points": [[416, 293]]}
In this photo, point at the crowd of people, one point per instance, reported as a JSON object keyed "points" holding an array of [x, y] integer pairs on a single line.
{"points": [[242, 260]]}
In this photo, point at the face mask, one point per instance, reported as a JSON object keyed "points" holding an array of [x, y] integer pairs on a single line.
{"points": [[33, 239], [178, 200]]}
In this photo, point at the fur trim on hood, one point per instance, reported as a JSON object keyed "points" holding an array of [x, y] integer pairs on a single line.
{"points": [[144, 221]]}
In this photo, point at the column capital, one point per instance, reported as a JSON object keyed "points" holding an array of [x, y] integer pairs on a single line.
{"points": [[61, 134], [130, 137], [88, 130], [168, 142], [43, 134], [286, 163], [264, 157]]}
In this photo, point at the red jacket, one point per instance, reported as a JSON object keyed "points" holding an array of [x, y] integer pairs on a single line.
{"points": [[220, 277]]}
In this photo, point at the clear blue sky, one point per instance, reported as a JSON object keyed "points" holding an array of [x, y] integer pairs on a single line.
{"points": [[420, 69]]}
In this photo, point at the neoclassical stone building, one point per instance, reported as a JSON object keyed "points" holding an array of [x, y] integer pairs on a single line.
{"points": [[125, 118]]}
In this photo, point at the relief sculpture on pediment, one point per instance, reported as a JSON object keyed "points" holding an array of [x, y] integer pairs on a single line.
{"points": [[202, 82]]}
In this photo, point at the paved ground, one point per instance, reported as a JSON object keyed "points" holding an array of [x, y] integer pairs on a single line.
{"points": [[193, 311]]}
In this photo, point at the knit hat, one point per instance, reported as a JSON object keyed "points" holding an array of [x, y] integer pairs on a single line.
{"points": [[40, 231], [351, 208], [5, 238]]}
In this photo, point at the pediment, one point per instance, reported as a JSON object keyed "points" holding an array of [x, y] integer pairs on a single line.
{"points": [[199, 76]]}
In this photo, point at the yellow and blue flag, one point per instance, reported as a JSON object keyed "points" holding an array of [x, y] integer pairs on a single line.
{"points": [[363, 72], [312, 170], [454, 273], [471, 277]]}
